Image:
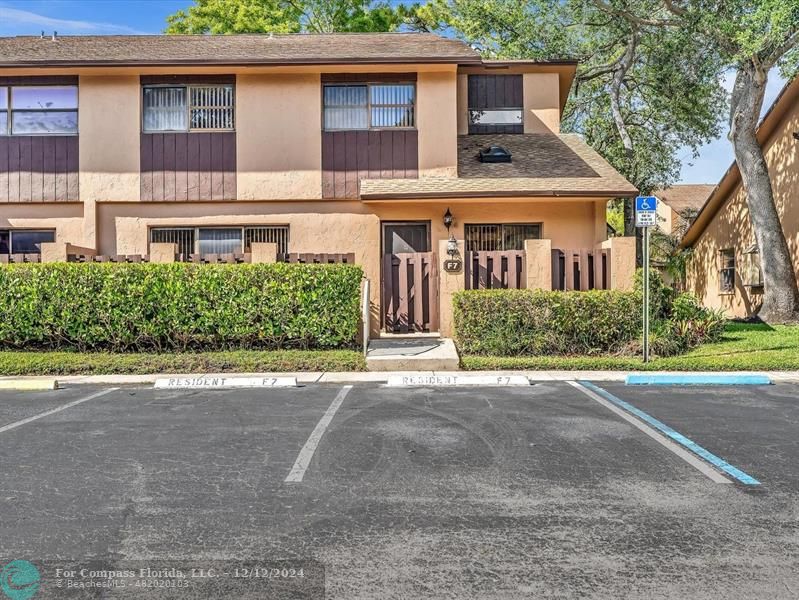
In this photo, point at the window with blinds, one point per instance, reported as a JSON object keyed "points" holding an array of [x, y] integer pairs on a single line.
{"points": [[188, 108], [221, 240], [369, 106], [501, 236]]}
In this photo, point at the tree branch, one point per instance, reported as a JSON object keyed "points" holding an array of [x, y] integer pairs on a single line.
{"points": [[632, 18]]}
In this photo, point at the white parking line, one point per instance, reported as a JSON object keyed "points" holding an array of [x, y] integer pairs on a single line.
{"points": [[307, 452], [47, 413], [687, 456]]}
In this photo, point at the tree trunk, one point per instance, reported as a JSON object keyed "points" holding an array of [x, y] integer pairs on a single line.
{"points": [[780, 293]]}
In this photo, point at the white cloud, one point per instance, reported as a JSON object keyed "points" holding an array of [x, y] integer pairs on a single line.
{"points": [[13, 22]]}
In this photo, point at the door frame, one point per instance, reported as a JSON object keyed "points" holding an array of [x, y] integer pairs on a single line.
{"points": [[428, 225]]}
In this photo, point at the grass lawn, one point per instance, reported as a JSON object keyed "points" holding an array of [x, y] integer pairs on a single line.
{"points": [[241, 361], [744, 347]]}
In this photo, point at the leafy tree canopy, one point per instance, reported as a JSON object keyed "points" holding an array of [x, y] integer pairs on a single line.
{"points": [[287, 16]]}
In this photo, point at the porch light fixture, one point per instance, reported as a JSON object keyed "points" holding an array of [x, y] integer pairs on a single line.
{"points": [[447, 219], [452, 246]]}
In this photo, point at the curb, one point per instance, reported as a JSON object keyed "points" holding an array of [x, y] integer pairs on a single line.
{"points": [[701, 379], [28, 384]]}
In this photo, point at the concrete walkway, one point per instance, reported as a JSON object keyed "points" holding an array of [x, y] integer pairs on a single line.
{"points": [[382, 377]]}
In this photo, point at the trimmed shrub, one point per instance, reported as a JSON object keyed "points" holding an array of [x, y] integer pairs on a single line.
{"points": [[127, 307], [513, 322]]}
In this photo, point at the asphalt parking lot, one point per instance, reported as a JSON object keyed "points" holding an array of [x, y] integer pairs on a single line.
{"points": [[534, 492]]}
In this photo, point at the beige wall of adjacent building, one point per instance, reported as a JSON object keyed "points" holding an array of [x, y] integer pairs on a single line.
{"points": [[731, 228]]}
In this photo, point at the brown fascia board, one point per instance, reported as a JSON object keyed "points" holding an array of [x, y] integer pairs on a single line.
{"points": [[243, 63], [732, 175], [499, 194]]}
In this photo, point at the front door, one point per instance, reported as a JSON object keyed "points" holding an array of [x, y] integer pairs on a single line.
{"points": [[410, 278]]}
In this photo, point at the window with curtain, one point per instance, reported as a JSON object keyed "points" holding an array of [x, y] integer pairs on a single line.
{"points": [[489, 237], [727, 271], [39, 110], [24, 241], [222, 240], [369, 106], [188, 108]]}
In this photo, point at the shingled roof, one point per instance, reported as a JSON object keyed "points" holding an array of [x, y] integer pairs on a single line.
{"points": [[543, 165], [685, 197], [101, 50]]}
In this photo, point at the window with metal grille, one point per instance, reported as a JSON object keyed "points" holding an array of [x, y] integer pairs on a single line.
{"points": [[188, 108], [24, 241], [727, 271], [271, 235], [39, 110], [221, 240], [369, 106], [501, 236]]}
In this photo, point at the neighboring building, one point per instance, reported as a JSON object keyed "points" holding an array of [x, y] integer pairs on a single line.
{"points": [[340, 143], [724, 269], [679, 204]]}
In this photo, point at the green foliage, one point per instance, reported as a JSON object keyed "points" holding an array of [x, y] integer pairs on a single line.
{"points": [[127, 307], [287, 16], [689, 325], [513, 322], [129, 363]]}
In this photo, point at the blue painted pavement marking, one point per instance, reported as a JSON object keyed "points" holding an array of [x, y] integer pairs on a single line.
{"points": [[696, 379], [714, 460]]}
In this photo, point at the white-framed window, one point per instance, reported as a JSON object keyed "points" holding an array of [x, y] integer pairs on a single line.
{"points": [[369, 106], [221, 240], [24, 241], [39, 110], [727, 270], [188, 108], [491, 237]]}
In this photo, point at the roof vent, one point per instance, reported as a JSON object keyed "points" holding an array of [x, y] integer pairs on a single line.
{"points": [[495, 154]]}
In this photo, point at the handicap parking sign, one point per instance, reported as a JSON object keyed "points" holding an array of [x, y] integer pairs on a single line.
{"points": [[646, 211]]}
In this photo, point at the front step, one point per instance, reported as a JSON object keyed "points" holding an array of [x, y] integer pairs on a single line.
{"points": [[412, 354]]}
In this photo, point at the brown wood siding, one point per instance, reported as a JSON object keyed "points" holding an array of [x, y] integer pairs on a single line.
{"points": [[39, 80], [488, 92], [186, 79], [39, 168], [367, 77], [348, 156], [184, 167]]}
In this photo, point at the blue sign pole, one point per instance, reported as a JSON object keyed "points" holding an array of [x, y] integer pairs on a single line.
{"points": [[646, 217]]}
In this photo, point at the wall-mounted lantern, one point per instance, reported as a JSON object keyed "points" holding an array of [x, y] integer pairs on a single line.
{"points": [[447, 219]]}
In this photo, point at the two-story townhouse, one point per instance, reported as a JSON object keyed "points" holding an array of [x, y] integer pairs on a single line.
{"points": [[344, 143]]}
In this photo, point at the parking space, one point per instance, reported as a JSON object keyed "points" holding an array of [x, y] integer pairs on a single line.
{"points": [[410, 492]]}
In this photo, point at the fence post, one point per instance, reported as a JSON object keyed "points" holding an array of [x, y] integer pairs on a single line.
{"points": [[162, 252], [263, 252], [365, 314], [538, 256], [61, 251], [448, 284]]}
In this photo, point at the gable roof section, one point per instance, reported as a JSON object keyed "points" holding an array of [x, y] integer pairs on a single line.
{"points": [[766, 130], [240, 49], [686, 196], [543, 165]]}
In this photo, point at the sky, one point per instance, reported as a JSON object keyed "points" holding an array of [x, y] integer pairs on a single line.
{"points": [[97, 17]]}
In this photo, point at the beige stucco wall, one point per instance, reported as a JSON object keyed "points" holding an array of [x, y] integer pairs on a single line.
{"points": [[541, 103], [731, 228], [279, 136], [437, 123], [66, 219], [332, 226]]}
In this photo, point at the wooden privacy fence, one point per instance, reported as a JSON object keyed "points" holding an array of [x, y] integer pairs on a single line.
{"points": [[582, 269], [495, 270], [19, 258], [346, 258], [410, 292]]}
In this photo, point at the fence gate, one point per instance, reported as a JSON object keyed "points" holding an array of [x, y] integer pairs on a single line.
{"points": [[410, 292]]}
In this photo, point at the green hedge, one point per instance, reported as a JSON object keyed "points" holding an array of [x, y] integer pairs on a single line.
{"points": [[516, 322], [135, 307]]}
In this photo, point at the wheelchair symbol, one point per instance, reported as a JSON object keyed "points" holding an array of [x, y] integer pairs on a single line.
{"points": [[644, 205]]}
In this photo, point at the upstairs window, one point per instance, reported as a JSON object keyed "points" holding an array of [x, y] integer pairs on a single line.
{"points": [[39, 110], [369, 106], [188, 108], [727, 271], [496, 104]]}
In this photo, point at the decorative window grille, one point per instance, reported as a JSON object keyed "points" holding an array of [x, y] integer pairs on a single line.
{"points": [[221, 240], [498, 237]]}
